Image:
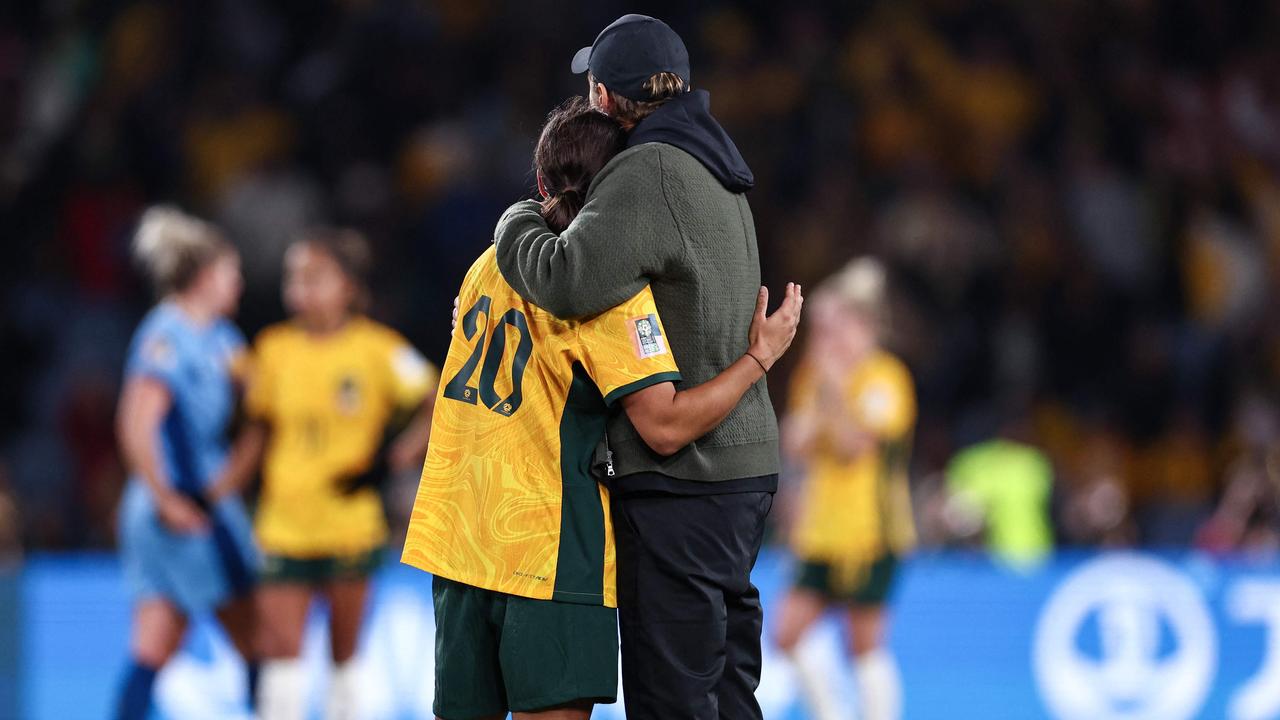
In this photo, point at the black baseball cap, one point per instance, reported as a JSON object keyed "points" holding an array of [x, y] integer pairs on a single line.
{"points": [[631, 50]]}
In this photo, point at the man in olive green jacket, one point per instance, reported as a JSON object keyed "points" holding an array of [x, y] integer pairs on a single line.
{"points": [[670, 212]]}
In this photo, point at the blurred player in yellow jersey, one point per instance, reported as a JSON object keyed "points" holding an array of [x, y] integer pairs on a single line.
{"points": [[327, 386], [509, 516], [851, 413]]}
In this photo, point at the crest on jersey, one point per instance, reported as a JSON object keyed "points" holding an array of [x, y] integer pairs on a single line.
{"points": [[159, 352], [349, 395], [646, 334]]}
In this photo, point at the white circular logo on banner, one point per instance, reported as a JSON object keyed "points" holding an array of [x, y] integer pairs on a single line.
{"points": [[1155, 644]]}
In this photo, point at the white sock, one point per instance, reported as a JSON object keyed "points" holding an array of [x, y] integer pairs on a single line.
{"points": [[280, 690], [814, 685], [343, 685], [879, 686]]}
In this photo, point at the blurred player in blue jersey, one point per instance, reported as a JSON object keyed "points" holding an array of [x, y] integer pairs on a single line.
{"points": [[185, 544]]}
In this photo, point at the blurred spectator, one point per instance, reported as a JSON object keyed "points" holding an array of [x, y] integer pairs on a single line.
{"points": [[1173, 483], [1247, 517], [87, 423], [1079, 204], [10, 524]]}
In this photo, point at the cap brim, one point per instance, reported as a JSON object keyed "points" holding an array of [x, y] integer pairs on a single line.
{"points": [[581, 60]]}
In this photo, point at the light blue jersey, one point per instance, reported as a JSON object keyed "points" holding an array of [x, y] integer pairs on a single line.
{"points": [[195, 365], [196, 571]]}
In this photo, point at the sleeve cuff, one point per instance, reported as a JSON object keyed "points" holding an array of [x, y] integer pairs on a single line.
{"points": [[523, 208], [639, 385], [164, 377]]}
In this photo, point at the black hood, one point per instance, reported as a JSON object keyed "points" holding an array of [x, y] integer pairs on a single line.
{"points": [[685, 122]]}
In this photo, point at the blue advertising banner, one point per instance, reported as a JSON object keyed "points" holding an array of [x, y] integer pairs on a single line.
{"points": [[1114, 636]]}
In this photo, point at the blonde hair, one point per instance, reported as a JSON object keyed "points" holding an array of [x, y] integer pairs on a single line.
{"points": [[862, 286], [661, 87], [173, 247]]}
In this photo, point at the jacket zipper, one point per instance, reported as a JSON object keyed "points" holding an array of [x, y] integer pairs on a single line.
{"points": [[608, 457]]}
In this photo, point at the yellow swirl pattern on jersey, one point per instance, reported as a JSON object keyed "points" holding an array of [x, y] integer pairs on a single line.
{"points": [[507, 499]]}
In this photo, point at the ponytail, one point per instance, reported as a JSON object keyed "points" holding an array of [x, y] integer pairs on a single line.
{"points": [[561, 208], [576, 142]]}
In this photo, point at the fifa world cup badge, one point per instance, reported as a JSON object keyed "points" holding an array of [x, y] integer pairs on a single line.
{"points": [[646, 334]]}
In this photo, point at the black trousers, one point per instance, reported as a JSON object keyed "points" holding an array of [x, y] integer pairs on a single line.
{"points": [[689, 617]]}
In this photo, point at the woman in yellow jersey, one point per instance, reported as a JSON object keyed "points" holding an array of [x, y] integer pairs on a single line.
{"points": [[327, 386], [511, 517], [852, 411]]}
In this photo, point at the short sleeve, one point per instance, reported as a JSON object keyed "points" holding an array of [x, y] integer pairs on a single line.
{"points": [[885, 403], [625, 348], [232, 344], [154, 355], [412, 377], [230, 337]]}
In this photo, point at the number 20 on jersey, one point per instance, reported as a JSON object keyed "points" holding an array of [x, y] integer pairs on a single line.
{"points": [[488, 358]]}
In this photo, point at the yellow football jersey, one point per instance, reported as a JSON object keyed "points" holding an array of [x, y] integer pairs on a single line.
{"points": [[327, 400], [507, 501], [855, 510]]}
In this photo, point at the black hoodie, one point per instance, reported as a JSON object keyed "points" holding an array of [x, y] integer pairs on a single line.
{"points": [[686, 122]]}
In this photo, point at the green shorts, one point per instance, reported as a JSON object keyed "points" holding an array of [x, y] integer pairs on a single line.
{"points": [[319, 570], [498, 653], [872, 588]]}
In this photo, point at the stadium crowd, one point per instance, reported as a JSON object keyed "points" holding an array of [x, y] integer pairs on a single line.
{"points": [[1079, 204]]}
